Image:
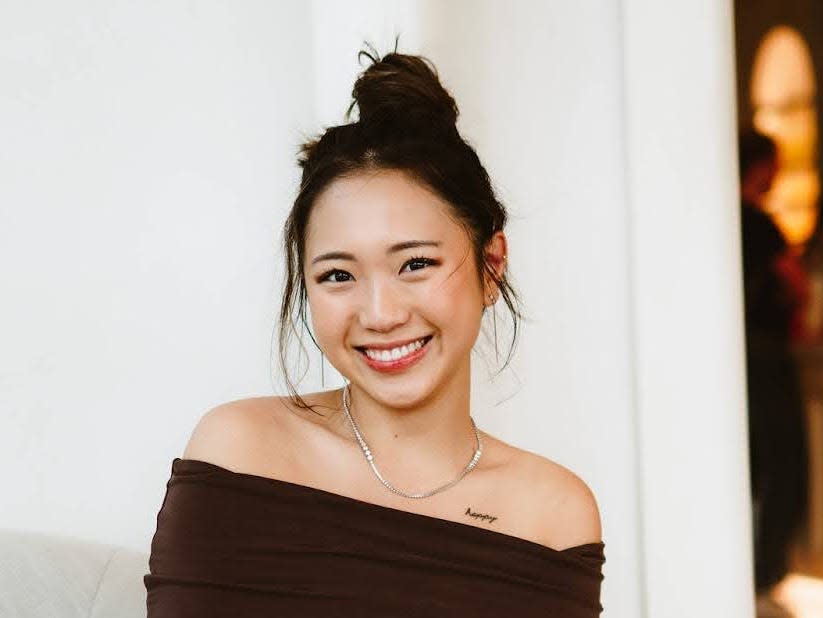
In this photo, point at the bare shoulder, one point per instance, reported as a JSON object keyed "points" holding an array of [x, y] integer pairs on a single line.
{"points": [[237, 434], [566, 513]]}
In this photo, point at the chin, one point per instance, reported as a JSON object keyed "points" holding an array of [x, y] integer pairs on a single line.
{"points": [[399, 394]]}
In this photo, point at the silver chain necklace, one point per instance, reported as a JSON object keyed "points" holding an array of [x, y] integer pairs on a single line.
{"points": [[370, 458]]}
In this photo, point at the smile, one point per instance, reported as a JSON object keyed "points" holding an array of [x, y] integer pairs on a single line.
{"points": [[395, 359]]}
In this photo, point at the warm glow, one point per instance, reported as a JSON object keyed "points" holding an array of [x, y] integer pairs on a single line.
{"points": [[801, 595], [783, 70], [791, 203], [783, 91]]}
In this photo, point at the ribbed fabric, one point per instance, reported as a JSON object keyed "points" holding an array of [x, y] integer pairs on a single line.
{"points": [[235, 544]]}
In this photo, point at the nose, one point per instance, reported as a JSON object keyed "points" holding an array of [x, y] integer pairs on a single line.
{"points": [[383, 307]]}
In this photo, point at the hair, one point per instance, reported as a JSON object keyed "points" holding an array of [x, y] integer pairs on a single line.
{"points": [[754, 147], [406, 123]]}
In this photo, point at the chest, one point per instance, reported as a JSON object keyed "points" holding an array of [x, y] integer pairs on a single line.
{"points": [[495, 495]]}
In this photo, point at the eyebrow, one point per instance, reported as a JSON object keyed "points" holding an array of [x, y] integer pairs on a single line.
{"points": [[401, 246]]}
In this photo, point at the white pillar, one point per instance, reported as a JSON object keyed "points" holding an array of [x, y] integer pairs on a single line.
{"points": [[687, 290]]}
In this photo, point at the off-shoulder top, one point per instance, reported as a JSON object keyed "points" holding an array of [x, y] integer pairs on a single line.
{"points": [[235, 544]]}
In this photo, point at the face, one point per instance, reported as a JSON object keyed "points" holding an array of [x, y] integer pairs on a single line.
{"points": [[385, 264]]}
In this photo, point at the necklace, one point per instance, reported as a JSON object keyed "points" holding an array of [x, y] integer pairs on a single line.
{"points": [[370, 458]]}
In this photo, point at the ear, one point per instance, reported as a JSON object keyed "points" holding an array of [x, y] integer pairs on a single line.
{"points": [[495, 252]]}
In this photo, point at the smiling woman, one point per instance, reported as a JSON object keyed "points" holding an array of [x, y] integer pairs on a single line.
{"points": [[386, 289], [395, 244]]}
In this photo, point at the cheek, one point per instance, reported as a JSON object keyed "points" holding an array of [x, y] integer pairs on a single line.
{"points": [[326, 312], [456, 295]]}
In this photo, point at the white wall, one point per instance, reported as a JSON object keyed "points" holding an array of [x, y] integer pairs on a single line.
{"points": [[148, 167], [147, 161]]}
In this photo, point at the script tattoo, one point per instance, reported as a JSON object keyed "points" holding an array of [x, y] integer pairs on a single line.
{"points": [[470, 513]]}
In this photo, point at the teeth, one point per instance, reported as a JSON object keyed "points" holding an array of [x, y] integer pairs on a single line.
{"points": [[394, 353]]}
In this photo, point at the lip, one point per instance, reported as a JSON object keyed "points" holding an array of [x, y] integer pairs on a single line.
{"points": [[400, 364], [390, 345]]}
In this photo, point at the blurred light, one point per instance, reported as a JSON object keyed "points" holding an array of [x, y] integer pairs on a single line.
{"points": [[783, 94], [800, 594]]}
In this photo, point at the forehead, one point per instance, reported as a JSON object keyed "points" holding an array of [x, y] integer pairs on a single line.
{"points": [[376, 208]]}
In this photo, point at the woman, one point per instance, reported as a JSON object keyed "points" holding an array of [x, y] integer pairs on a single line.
{"points": [[382, 498]]}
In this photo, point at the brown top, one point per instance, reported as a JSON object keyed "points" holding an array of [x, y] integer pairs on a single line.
{"points": [[235, 544]]}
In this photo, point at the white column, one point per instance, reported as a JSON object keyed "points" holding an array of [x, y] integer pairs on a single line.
{"points": [[687, 291]]}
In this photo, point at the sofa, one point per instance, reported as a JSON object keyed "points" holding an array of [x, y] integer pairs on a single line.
{"points": [[51, 576]]}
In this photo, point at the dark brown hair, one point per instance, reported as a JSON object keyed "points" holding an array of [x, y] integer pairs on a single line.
{"points": [[406, 123]]}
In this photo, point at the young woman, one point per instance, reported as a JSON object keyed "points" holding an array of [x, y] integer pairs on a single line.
{"points": [[382, 498]]}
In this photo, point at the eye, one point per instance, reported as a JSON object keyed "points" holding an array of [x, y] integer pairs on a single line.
{"points": [[421, 260], [325, 276]]}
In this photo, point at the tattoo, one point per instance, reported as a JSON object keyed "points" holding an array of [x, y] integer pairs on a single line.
{"points": [[479, 515]]}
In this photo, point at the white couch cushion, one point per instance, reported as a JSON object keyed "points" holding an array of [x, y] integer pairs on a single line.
{"points": [[44, 575]]}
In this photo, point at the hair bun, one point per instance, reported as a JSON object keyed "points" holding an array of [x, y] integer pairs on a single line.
{"points": [[401, 95]]}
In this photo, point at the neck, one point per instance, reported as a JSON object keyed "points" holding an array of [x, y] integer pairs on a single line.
{"points": [[419, 445]]}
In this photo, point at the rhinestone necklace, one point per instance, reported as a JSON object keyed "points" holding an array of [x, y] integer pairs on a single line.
{"points": [[370, 458]]}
